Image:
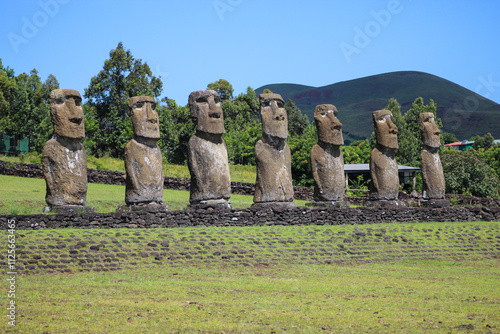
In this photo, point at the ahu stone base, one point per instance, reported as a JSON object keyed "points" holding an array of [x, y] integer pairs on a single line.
{"points": [[330, 204], [210, 204], [385, 203], [143, 207], [435, 203], [273, 205], [69, 209]]}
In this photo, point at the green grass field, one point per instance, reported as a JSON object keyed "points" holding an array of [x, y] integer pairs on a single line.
{"points": [[20, 195], [299, 279], [377, 278]]}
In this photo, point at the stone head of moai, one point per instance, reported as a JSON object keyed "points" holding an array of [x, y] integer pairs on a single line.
{"points": [[328, 125], [206, 111], [144, 117], [430, 131], [67, 114], [386, 131], [273, 114]]}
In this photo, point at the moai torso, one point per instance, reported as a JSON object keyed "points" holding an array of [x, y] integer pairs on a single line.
{"points": [[432, 169], [383, 165], [65, 172], [432, 175], [144, 182], [327, 164], [209, 168], [384, 174], [274, 173], [327, 161], [207, 152], [64, 160]]}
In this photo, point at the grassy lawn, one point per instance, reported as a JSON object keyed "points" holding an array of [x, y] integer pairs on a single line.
{"points": [[239, 173], [378, 278], [299, 279], [27, 196]]}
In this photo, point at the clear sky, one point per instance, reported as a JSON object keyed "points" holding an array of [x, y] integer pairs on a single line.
{"points": [[256, 42]]}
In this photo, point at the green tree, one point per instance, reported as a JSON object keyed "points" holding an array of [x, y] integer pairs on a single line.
{"points": [[485, 141], [10, 102], [448, 138], [243, 127], [409, 135], [91, 128], [300, 147], [240, 143], [224, 88], [466, 173], [175, 130], [491, 156], [24, 106], [121, 78], [297, 122], [38, 126], [358, 152]]}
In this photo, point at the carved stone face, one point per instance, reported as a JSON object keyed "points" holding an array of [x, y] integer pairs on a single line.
{"points": [[144, 117], [273, 113], [66, 113], [206, 111], [430, 131], [328, 125], [385, 130]]}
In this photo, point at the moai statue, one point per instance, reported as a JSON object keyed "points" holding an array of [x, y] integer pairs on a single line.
{"points": [[64, 160], [432, 169], [272, 154], [383, 166], [207, 153], [143, 162], [327, 161]]}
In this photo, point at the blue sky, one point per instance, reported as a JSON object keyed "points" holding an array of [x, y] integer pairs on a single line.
{"points": [[256, 42]]}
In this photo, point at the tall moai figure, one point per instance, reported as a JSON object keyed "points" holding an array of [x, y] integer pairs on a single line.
{"points": [[207, 153], [64, 160], [273, 186], [383, 166], [143, 161], [432, 169], [327, 161]]}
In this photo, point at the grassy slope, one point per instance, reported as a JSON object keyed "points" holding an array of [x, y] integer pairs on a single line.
{"points": [[356, 99], [301, 279]]}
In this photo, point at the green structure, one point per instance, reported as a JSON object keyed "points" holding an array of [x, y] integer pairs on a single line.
{"points": [[12, 145]]}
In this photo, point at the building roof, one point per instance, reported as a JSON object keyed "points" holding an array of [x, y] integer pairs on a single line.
{"points": [[361, 168], [460, 143]]}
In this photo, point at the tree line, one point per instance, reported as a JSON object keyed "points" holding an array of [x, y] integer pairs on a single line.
{"points": [[25, 106]]}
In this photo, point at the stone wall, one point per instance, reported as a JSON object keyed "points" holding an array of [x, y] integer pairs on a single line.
{"points": [[251, 217]]}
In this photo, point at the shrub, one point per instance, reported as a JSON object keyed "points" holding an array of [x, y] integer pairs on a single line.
{"points": [[466, 173]]}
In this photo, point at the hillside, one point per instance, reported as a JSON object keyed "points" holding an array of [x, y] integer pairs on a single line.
{"points": [[464, 113]]}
